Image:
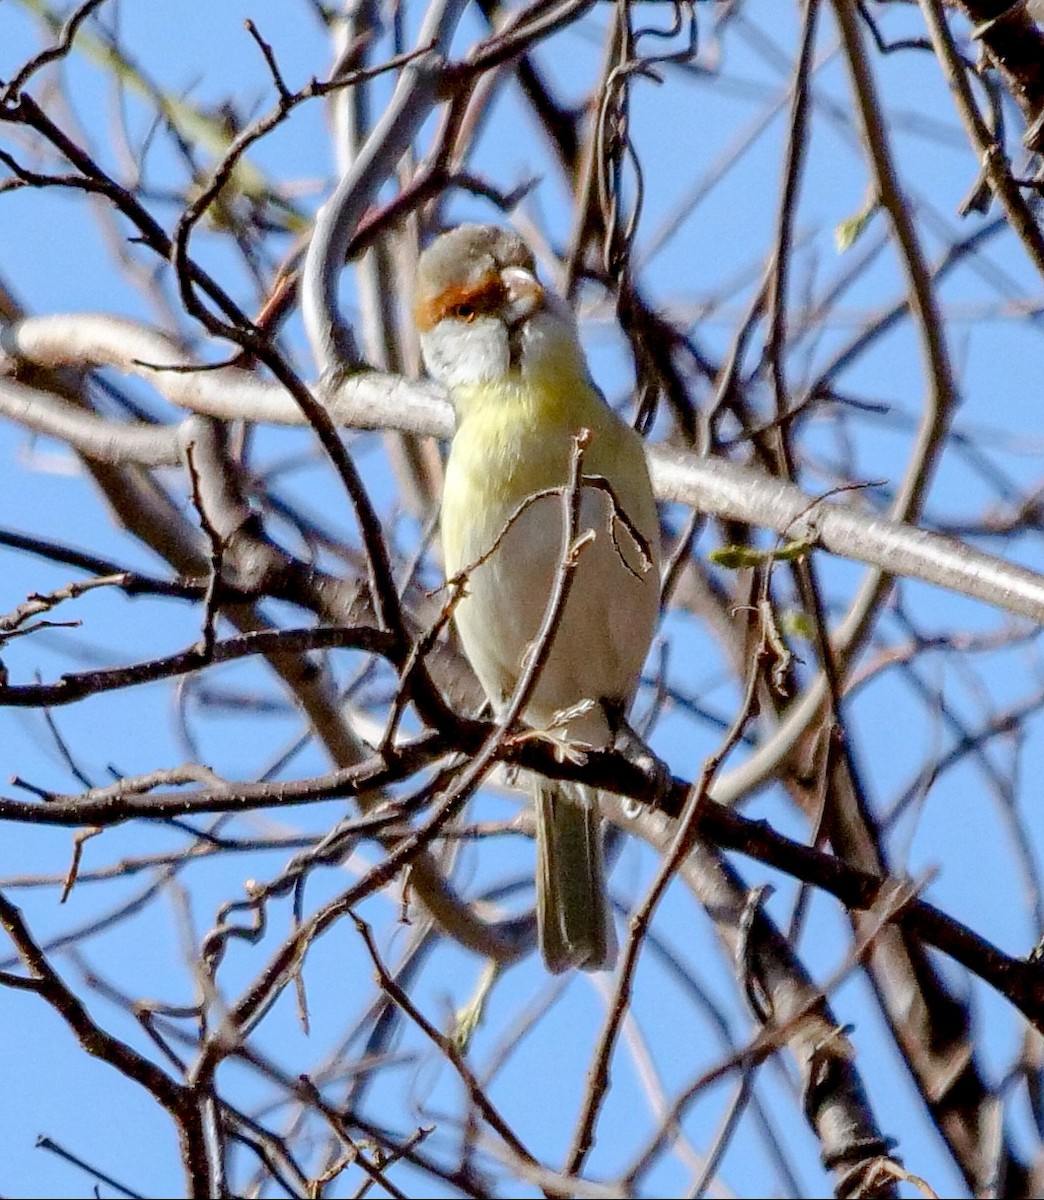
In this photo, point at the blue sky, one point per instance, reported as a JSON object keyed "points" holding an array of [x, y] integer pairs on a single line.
{"points": [[56, 255]]}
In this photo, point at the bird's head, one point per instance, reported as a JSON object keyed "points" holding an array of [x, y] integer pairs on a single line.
{"points": [[483, 315]]}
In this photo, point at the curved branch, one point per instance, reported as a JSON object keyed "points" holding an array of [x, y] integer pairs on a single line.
{"points": [[98, 438], [414, 97], [368, 400], [995, 164], [375, 400], [941, 401]]}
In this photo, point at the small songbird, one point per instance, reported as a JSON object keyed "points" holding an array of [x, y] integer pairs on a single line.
{"points": [[507, 350]]}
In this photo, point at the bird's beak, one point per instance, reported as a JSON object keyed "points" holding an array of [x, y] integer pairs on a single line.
{"points": [[525, 296]]}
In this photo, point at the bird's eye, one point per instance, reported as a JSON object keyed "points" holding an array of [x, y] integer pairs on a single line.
{"points": [[465, 312]]}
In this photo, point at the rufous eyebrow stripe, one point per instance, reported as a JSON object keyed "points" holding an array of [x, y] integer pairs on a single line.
{"points": [[484, 295]]}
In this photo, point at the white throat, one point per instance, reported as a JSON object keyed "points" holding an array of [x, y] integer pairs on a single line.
{"points": [[463, 354]]}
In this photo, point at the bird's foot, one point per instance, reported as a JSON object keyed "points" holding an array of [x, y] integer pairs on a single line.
{"points": [[565, 749]]}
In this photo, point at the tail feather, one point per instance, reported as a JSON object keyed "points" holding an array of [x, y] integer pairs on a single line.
{"points": [[573, 915]]}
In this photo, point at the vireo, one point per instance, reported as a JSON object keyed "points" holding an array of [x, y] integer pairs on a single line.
{"points": [[507, 350]]}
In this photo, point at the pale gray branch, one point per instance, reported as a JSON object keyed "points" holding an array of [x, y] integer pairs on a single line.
{"points": [[93, 436], [415, 95], [374, 400], [367, 400]]}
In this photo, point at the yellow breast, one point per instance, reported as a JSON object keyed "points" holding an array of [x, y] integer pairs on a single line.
{"points": [[515, 438]]}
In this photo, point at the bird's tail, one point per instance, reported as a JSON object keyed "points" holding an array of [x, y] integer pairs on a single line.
{"points": [[573, 915]]}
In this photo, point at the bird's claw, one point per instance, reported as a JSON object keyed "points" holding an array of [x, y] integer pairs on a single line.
{"points": [[565, 750]]}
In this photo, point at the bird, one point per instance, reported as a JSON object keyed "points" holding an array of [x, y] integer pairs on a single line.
{"points": [[507, 350]]}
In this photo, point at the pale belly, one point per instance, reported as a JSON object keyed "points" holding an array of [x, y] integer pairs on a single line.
{"points": [[606, 627]]}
